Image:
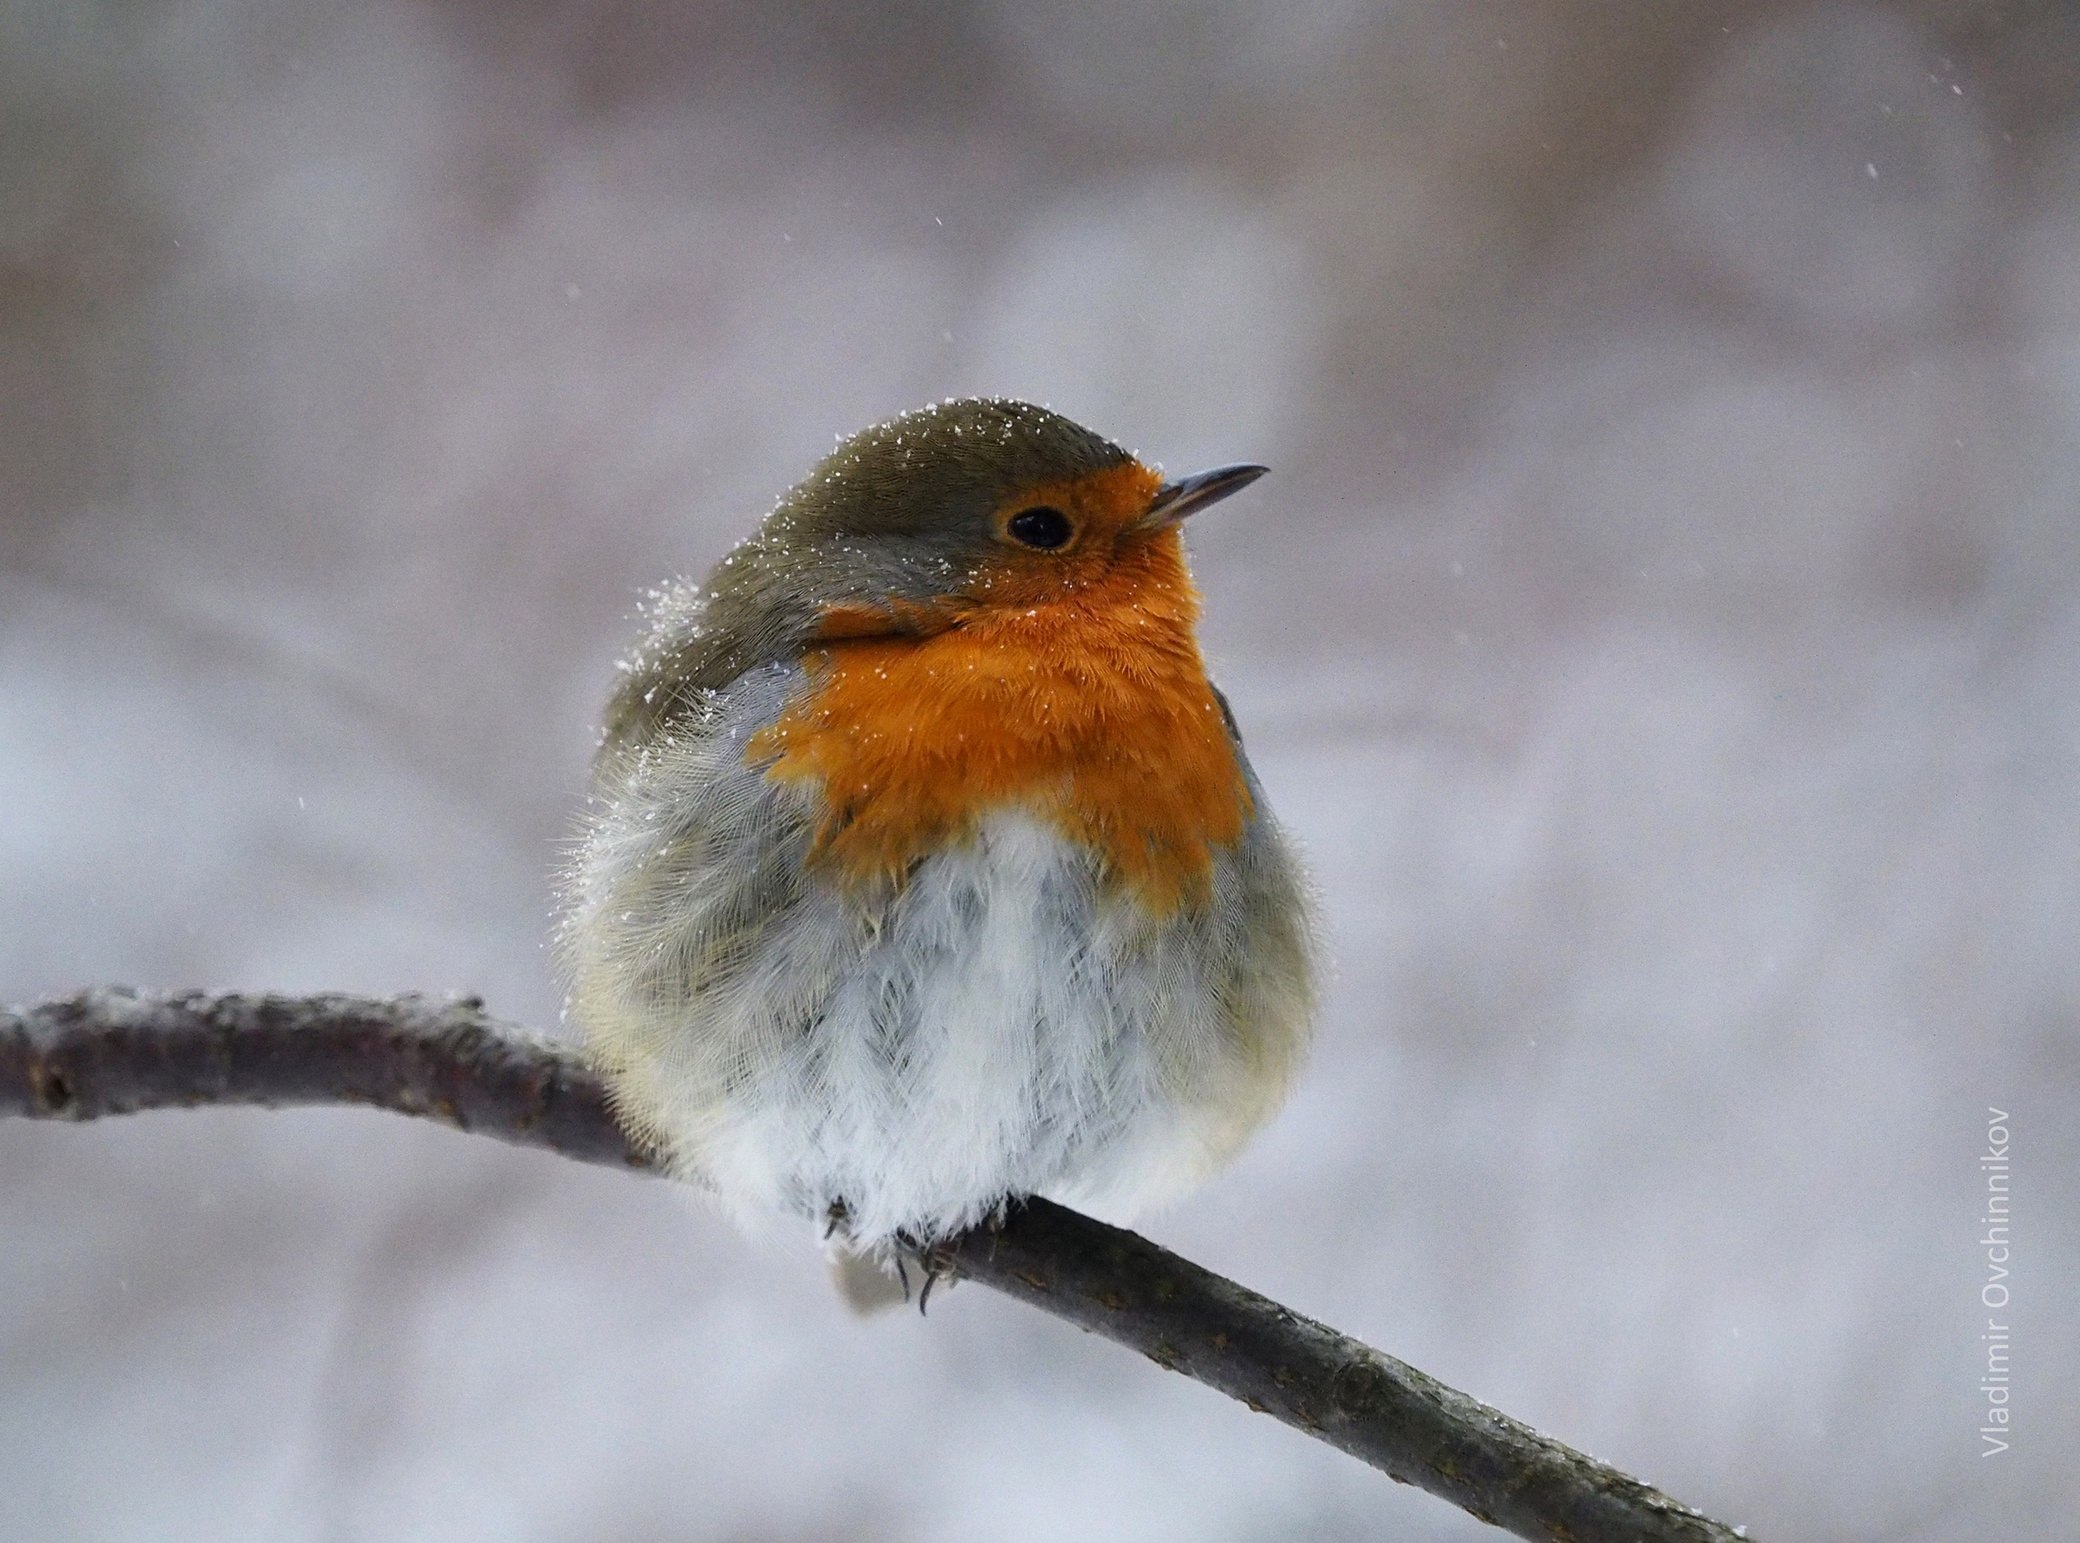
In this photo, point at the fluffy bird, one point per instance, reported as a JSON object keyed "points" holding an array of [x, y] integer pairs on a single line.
{"points": [[924, 869]]}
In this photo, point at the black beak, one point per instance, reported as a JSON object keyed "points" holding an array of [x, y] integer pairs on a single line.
{"points": [[1188, 495]]}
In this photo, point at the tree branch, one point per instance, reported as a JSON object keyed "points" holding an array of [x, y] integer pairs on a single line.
{"points": [[116, 1052]]}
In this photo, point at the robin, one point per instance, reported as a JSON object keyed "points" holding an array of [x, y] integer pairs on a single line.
{"points": [[924, 870]]}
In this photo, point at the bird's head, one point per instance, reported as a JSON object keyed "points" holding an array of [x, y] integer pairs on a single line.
{"points": [[970, 509], [979, 502]]}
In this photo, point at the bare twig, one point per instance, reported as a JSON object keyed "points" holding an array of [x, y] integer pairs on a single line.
{"points": [[115, 1052]]}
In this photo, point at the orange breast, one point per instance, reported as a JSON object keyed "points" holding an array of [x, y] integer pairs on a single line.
{"points": [[1091, 710]]}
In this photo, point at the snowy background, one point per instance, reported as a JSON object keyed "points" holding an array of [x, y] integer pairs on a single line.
{"points": [[1662, 626]]}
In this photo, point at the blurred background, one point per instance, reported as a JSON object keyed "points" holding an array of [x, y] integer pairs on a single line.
{"points": [[1661, 628]]}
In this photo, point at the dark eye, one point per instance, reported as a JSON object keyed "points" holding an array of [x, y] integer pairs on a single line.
{"points": [[1043, 527]]}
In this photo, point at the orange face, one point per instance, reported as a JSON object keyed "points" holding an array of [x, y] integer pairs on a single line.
{"points": [[1066, 682], [1097, 510]]}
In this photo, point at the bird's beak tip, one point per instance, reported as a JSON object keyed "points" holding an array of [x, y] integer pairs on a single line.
{"points": [[1188, 495]]}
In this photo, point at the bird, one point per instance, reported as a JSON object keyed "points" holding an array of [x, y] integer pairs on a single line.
{"points": [[923, 870]]}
